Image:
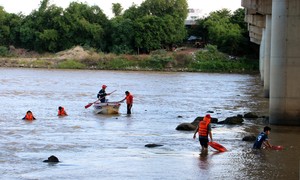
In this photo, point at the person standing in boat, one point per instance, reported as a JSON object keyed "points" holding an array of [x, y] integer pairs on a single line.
{"points": [[102, 94], [204, 130], [61, 111], [29, 116]]}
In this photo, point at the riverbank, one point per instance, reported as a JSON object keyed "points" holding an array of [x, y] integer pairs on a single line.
{"points": [[181, 60]]}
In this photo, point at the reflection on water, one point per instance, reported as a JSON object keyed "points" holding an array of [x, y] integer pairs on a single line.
{"points": [[91, 146]]}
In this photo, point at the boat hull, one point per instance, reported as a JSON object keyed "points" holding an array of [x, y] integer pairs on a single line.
{"points": [[107, 108]]}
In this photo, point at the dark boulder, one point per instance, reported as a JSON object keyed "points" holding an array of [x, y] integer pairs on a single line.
{"points": [[193, 125], [239, 115], [232, 120], [152, 145], [250, 115], [185, 127], [198, 119], [249, 138], [52, 159]]}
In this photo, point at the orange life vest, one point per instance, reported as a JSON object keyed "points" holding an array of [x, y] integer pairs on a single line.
{"points": [[129, 99], [29, 117], [62, 112], [202, 130]]}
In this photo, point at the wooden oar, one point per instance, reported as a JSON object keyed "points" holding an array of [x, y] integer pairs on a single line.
{"points": [[112, 92], [90, 104]]}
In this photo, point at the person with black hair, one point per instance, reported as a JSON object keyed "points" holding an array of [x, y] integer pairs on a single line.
{"points": [[262, 139], [129, 101], [61, 111], [29, 116]]}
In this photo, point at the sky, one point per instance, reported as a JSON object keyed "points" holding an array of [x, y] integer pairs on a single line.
{"points": [[27, 6]]}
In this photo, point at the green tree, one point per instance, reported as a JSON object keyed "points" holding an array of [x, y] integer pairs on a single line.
{"points": [[8, 27], [222, 32], [173, 31], [122, 35], [238, 17], [226, 30], [50, 28], [4, 29], [117, 9], [133, 12], [200, 29], [175, 8], [14, 22], [86, 25], [41, 29], [246, 47], [158, 23], [149, 33]]}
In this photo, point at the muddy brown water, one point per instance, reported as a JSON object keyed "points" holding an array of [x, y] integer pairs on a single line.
{"points": [[92, 146]]}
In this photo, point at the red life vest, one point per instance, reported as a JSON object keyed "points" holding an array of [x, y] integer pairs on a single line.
{"points": [[129, 99], [202, 130], [62, 112], [29, 117]]}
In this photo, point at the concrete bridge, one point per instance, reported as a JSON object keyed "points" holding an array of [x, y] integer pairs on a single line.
{"points": [[275, 26]]}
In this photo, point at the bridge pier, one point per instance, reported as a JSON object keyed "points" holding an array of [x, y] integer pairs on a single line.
{"points": [[275, 26], [262, 56], [267, 52], [285, 63]]}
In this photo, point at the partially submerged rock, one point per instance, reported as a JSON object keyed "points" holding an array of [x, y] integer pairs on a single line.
{"points": [[52, 159], [249, 138], [193, 125], [199, 118], [250, 115], [152, 145], [186, 127], [232, 120]]}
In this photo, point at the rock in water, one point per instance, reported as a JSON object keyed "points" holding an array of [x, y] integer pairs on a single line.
{"points": [[52, 159], [186, 127], [152, 145], [249, 138]]}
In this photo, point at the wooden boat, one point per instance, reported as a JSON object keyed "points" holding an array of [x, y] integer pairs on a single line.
{"points": [[107, 107]]}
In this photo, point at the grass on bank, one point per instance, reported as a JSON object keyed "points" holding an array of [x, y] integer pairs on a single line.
{"points": [[212, 60], [208, 59]]}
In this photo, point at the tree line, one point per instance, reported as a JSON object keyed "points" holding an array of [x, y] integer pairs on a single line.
{"points": [[155, 24]]}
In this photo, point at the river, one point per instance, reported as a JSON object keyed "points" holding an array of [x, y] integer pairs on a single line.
{"points": [[91, 146]]}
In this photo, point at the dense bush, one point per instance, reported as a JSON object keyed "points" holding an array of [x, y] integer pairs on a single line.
{"points": [[211, 60], [3, 51], [182, 60], [70, 64], [41, 63], [116, 64], [156, 62]]}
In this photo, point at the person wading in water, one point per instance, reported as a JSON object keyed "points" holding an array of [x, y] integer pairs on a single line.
{"points": [[29, 116], [129, 101], [61, 111], [204, 130]]}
